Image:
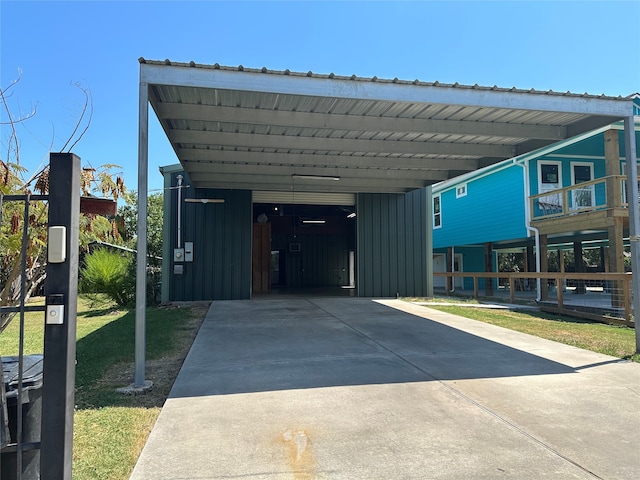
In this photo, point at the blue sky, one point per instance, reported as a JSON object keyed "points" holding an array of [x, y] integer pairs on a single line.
{"points": [[572, 46]]}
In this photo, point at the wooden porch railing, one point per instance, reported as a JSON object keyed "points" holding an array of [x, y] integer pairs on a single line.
{"points": [[618, 285], [599, 194]]}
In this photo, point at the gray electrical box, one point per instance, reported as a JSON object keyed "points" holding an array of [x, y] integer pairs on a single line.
{"points": [[178, 254], [188, 251], [178, 269]]}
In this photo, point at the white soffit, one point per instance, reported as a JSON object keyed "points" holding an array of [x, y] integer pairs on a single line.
{"points": [[257, 129]]}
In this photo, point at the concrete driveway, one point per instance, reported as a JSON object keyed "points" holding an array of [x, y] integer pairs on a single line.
{"points": [[350, 388]]}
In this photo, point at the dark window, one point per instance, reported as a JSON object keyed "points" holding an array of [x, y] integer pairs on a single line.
{"points": [[549, 173], [582, 173]]}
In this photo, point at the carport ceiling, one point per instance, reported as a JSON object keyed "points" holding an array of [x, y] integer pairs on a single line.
{"points": [[257, 129]]}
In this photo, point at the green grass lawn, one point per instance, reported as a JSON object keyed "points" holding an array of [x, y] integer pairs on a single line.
{"points": [[608, 339], [110, 429]]}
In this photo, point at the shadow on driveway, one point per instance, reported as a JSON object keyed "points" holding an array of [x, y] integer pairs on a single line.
{"points": [[286, 344]]}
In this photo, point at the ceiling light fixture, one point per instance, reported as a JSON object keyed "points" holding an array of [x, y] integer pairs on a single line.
{"points": [[315, 177], [314, 222], [352, 215], [204, 200]]}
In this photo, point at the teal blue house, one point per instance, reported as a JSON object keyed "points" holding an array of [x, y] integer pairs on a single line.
{"points": [[566, 196]]}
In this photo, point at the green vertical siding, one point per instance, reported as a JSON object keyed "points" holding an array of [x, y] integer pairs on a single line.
{"points": [[392, 244], [323, 259], [221, 234]]}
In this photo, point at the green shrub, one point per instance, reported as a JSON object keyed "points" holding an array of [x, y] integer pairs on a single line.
{"points": [[108, 272]]}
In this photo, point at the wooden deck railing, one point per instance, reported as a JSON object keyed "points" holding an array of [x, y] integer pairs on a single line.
{"points": [[614, 306], [600, 194]]}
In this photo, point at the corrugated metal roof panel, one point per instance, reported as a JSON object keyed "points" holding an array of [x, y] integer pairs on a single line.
{"points": [[287, 125], [332, 76]]}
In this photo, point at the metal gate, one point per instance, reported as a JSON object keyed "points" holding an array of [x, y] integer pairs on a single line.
{"points": [[37, 391]]}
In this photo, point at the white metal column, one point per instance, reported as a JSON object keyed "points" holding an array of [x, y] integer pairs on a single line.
{"points": [[141, 265]]}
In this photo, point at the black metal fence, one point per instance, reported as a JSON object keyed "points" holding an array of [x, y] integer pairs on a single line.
{"points": [[37, 391], [21, 376]]}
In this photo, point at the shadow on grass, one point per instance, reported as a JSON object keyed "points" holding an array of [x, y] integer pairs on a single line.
{"points": [[109, 350], [99, 312]]}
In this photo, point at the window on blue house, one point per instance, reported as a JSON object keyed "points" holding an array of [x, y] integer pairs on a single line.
{"points": [[437, 214], [461, 190]]}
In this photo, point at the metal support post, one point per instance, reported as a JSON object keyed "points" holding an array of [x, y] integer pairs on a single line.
{"points": [[61, 291], [634, 217], [141, 265]]}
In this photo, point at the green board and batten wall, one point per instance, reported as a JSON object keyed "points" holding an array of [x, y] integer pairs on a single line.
{"points": [[221, 236], [392, 244], [391, 251]]}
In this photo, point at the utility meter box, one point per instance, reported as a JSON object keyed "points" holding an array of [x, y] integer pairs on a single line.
{"points": [[188, 251], [178, 254]]}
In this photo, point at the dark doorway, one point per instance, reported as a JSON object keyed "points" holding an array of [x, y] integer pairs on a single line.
{"points": [[310, 245]]}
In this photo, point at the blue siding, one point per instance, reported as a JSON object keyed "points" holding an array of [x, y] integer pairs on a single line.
{"points": [[594, 146], [472, 261], [494, 209], [491, 211]]}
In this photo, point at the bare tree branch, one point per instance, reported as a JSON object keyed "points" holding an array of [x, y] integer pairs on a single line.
{"points": [[87, 103], [21, 119], [13, 139], [88, 122]]}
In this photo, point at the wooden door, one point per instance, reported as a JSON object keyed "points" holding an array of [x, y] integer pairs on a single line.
{"points": [[261, 260]]}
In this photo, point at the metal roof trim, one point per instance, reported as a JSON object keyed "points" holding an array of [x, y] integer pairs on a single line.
{"points": [[375, 79]]}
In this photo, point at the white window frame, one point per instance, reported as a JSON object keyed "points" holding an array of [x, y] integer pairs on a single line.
{"points": [[461, 190], [554, 199], [439, 214], [591, 188]]}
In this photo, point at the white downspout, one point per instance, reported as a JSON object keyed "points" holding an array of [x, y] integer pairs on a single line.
{"points": [[179, 215], [530, 227]]}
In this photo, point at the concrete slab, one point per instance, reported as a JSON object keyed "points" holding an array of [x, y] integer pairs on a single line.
{"points": [[347, 388]]}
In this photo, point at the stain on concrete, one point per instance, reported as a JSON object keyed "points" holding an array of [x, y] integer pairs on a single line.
{"points": [[299, 454]]}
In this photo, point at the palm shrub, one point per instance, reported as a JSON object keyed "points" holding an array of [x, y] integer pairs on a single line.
{"points": [[108, 272]]}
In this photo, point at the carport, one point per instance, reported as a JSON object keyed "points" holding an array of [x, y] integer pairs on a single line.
{"points": [[277, 134]]}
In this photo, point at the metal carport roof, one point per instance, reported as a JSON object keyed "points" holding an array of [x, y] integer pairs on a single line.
{"points": [[258, 129]]}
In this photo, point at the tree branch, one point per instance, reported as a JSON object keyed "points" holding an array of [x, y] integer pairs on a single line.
{"points": [[87, 103]]}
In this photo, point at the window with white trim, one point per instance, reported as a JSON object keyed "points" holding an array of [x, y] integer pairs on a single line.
{"points": [[461, 191], [437, 214]]}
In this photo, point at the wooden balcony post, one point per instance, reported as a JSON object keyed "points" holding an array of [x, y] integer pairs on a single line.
{"points": [[544, 266], [579, 266], [612, 167], [450, 282], [560, 292], [488, 267]]}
